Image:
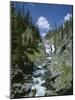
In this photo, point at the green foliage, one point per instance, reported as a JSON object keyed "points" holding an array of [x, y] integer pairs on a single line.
{"points": [[61, 33], [24, 34], [25, 38]]}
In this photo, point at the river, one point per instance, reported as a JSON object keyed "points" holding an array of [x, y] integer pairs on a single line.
{"points": [[40, 75]]}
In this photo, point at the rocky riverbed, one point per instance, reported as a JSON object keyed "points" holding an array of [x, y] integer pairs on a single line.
{"points": [[51, 76]]}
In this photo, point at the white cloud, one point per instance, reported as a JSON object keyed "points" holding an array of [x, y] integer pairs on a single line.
{"points": [[67, 17], [43, 23]]}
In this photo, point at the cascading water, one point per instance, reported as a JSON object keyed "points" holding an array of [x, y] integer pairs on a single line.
{"points": [[39, 73], [38, 80]]}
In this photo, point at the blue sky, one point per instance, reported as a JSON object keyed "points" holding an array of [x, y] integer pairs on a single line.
{"points": [[47, 15]]}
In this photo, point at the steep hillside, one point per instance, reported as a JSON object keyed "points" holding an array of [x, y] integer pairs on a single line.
{"points": [[61, 63]]}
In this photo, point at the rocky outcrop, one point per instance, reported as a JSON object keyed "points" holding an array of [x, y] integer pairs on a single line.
{"points": [[61, 69]]}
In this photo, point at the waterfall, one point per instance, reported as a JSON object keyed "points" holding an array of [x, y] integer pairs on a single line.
{"points": [[49, 48], [40, 73]]}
